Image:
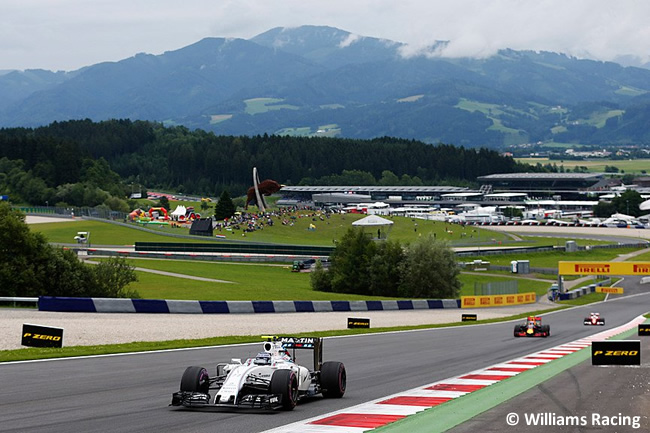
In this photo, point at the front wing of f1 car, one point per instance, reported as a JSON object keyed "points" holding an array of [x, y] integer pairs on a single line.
{"points": [[249, 401], [538, 331]]}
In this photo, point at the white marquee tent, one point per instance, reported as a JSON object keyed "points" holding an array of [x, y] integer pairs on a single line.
{"points": [[375, 221], [178, 212]]}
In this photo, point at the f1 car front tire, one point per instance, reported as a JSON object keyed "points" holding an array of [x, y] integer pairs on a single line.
{"points": [[285, 383], [547, 330], [333, 379], [195, 379]]}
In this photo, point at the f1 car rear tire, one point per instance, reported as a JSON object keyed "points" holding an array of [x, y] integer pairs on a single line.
{"points": [[333, 379], [285, 383], [195, 379]]}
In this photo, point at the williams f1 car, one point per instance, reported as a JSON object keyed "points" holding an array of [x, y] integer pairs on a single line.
{"points": [[594, 319], [271, 380], [532, 328]]}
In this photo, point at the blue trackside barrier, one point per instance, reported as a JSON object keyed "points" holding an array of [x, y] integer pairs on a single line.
{"points": [[71, 305], [159, 306], [581, 291]]}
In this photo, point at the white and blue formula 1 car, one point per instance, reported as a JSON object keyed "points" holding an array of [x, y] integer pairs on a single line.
{"points": [[271, 380]]}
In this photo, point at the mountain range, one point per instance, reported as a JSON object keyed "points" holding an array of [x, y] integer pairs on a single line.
{"points": [[323, 81]]}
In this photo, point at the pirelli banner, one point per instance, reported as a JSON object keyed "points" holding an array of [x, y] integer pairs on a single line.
{"points": [[613, 290], [604, 268], [497, 300]]}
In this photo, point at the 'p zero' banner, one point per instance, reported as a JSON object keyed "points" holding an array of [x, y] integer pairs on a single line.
{"points": [[616, 352], [604, 268], [41, 336], [355, 322], [644, 329], [497, 300]]}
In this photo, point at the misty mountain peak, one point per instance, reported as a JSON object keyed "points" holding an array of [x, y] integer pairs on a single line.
{"points": [[310, 79]]}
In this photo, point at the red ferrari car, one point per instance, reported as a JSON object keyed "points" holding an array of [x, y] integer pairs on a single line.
{"points": [[594, 319]]}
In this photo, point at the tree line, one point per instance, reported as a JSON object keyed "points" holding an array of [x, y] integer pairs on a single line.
{"points": [[198, 162]]}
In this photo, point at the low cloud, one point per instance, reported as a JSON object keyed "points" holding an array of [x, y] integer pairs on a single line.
{"points": [[352, 38], [69, 34]]}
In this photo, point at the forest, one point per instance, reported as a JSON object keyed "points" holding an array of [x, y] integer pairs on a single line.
{"points": [[86, 163]]}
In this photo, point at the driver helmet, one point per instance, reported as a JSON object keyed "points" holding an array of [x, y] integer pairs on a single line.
{"points": [[263, 358]]}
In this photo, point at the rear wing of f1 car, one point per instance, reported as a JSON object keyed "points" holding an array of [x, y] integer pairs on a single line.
{"points": [[293, 343]]}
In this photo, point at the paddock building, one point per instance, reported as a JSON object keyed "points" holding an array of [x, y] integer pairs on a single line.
{"points": [[566, 191]]}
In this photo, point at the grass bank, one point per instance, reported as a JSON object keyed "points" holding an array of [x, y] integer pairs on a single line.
{"points": [[265, 282], [586, 299], [295, 233]]}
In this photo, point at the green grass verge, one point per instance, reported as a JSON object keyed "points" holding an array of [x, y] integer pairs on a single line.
{"points": [[645, 257], [586, 299], [264, 282], [251, 283], [247, 282], [66, 352]]}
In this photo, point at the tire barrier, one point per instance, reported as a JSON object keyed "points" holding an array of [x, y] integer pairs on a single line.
{"points": [[159, 306], [584, 290]]}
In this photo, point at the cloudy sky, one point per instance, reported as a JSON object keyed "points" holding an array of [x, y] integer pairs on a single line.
{"points": [[69, 34]]}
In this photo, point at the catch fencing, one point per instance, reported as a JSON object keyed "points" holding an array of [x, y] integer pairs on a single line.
{"points": [[508, 287]]}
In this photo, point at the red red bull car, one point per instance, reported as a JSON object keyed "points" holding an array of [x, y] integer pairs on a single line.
{"points": [[532, 328], [594, 319]]}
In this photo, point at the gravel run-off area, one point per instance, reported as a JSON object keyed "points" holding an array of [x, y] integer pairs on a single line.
{"points": [[107, 328]]}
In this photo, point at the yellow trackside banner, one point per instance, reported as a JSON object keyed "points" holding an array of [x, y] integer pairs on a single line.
{"points": [[604, 268], [615, 290], [497, 300]]}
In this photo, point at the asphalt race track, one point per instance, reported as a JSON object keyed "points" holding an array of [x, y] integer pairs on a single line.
{"points": [[132, 392]]}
